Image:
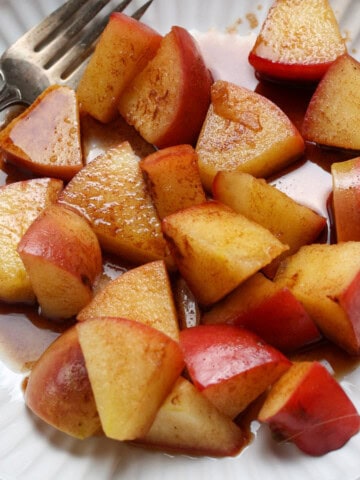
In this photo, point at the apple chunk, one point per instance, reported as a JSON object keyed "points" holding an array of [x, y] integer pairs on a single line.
{"points": [[143, 294], [308, 407], [58, 389], [245, 131], [216, 249], [230, 365], [298, 41], [270, 311], [326, 280], [112, 195], [346, 199], [188, 422], [62, 256], [168, 100], [332, 114], [123, 50], [45, 138], [20, 203], [292, 223], [132, 368]]}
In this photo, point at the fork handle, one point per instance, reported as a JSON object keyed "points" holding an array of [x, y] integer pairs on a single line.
{"points": [[9, 95]]}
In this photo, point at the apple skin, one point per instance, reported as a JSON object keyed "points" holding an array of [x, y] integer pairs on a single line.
{"points": [[45, 138], [288, 47], [270, 311], [308, 407], [346, 199], [167, 102], [230, 365], [62, 257], [58, 389], [123, 50]]}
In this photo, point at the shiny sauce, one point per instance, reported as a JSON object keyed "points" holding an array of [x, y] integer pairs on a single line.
{"points": [[24, 334]]}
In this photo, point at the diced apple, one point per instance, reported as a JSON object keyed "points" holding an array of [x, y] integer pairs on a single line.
{"points": [[292, 223], [173, 178], [20, 203], [298, 41], [216, 249], [45, 138], [326, 280], [168, 100], [123, 50], [99, 137], [143, 294], [273, 313], [112, 194], [58, 389], [231, 366], [62, 257], [188, 422], [346, 199], [132, 368], [331, 117], [244, 131], [308, 407]]}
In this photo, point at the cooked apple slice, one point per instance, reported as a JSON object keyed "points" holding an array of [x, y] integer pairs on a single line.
{"points": [[111, 193], [45, 138], [298, 41], [267, 309], [143, 294], [168, 100], [58, 389], [173, 178], [188, 422], [216, 249], [326, 280], [123, 50], [346, 199], [292, 223], [231, 366], [331, 117], [62, 257], [308, 407], [247, 132], [132, 368], [20, 203]]}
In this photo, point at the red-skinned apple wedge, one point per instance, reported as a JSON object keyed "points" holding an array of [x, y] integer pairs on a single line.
{"points": [[187, 422], [45, 138], [132, 368], [123, 50], [308, 407], [293, 224], [298, 41], [58, 389], [245, 131], [143, 294], [230, 365], [216, 249], [272, 312], [346, 199], [20, 203], [326, 280], [63, 259], [331, 116], [112, 195], [173, 179], [168, 100]]}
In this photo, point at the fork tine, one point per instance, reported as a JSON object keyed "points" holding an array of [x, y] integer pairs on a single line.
{"points": [[73, 62]]}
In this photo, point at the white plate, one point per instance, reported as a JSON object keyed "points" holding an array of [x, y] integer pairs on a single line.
{"points": [[31, 450]]}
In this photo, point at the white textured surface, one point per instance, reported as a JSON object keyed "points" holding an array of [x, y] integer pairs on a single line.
{"points": [[30, 450]]}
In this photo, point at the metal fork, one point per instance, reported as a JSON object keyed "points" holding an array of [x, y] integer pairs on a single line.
{"points": [[55, 51]]}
